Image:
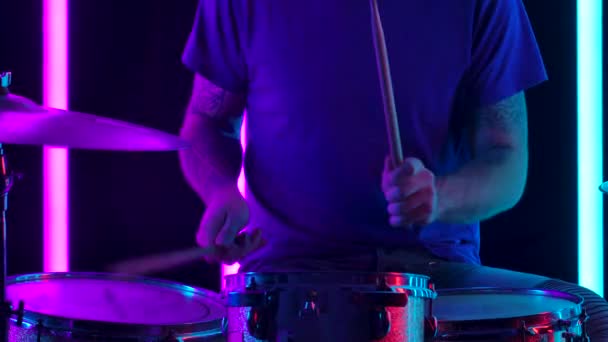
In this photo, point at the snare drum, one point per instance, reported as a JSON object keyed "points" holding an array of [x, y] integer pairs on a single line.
{"points": [[327, 306], [108, 307], [490, 314]]}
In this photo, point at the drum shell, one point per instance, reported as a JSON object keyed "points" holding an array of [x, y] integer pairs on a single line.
{"points": [[33, 332], [516, 336], [551, 325], [339, 317], [39, 326]]}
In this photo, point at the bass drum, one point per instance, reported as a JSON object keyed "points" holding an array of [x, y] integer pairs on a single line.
{"points": [[110, 307]]}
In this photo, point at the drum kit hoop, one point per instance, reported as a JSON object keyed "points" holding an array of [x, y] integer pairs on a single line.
{"points": [[87, 327]]}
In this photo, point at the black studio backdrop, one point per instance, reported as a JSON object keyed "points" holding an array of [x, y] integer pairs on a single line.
{"points": [[125, 64]]}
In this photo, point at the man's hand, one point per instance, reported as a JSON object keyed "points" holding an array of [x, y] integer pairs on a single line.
{"points": [[411, 193], [226, 215]]}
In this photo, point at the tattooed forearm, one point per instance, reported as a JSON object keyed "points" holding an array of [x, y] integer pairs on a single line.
{"points": [[501, 127], [212, 126], [494, 180], [210, 100], [508, 115], [221, 106]]}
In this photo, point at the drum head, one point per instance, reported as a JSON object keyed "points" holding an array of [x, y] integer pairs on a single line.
{"points": [[479, 304], [114, 299]]}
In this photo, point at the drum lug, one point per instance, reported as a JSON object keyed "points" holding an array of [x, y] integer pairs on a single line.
{"points": [[252, 286], [380, 323], [525, 331], [20, 313], [583, 318], [431, 328], [573, 337], [384, 296], [263, 306], [311, 308], [261, 319]]}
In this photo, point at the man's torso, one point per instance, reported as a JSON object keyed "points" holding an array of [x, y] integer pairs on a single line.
{"points": [[316, 136]]}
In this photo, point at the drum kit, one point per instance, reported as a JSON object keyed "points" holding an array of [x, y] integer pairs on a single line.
{"points": [[124, 305], [316, 306]]}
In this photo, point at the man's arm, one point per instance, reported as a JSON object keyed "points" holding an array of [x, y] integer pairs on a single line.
{"points": [[494, 180], [212, 125]]}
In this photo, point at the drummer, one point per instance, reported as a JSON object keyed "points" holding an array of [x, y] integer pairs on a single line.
{"points": [[321, 192]]}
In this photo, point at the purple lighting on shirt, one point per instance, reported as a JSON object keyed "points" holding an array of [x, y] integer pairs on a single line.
{"points": [[55, 160]]}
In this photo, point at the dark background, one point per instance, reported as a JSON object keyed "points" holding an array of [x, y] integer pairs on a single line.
{"points": [[125, 63]]}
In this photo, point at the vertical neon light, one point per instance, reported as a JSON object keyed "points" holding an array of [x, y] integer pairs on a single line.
{"points": [[590, 149], [55, 160], [232, 269]]}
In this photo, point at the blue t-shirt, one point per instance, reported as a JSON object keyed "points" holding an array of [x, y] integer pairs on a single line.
{"points": [[316, 136]]}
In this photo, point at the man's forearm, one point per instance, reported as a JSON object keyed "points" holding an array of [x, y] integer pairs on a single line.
{"points": [[494, 180], [486, 186], [212, 125], [214, 161]]}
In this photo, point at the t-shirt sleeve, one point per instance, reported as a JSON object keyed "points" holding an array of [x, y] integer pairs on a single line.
{"points": [[213, 49], [505, 57]]}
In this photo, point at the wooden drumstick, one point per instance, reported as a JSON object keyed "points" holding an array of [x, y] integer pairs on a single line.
{"points": [[386, 86], [160, 262], [166, 261]]}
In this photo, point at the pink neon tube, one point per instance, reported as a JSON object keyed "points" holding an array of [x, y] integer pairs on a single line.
{"points": [[234, 268], [55, 160]]}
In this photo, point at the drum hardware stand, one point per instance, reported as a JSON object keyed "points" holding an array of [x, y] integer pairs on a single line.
{"points": [[7, 183], [7, 308]]}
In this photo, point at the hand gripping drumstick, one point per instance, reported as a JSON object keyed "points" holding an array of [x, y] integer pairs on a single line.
{"points": [[386, 86]]}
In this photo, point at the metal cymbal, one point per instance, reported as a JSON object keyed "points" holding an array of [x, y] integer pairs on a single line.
{"points": [[22, 121]]}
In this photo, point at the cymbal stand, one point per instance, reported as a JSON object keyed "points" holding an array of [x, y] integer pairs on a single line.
{"points": [[6, 308]]}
